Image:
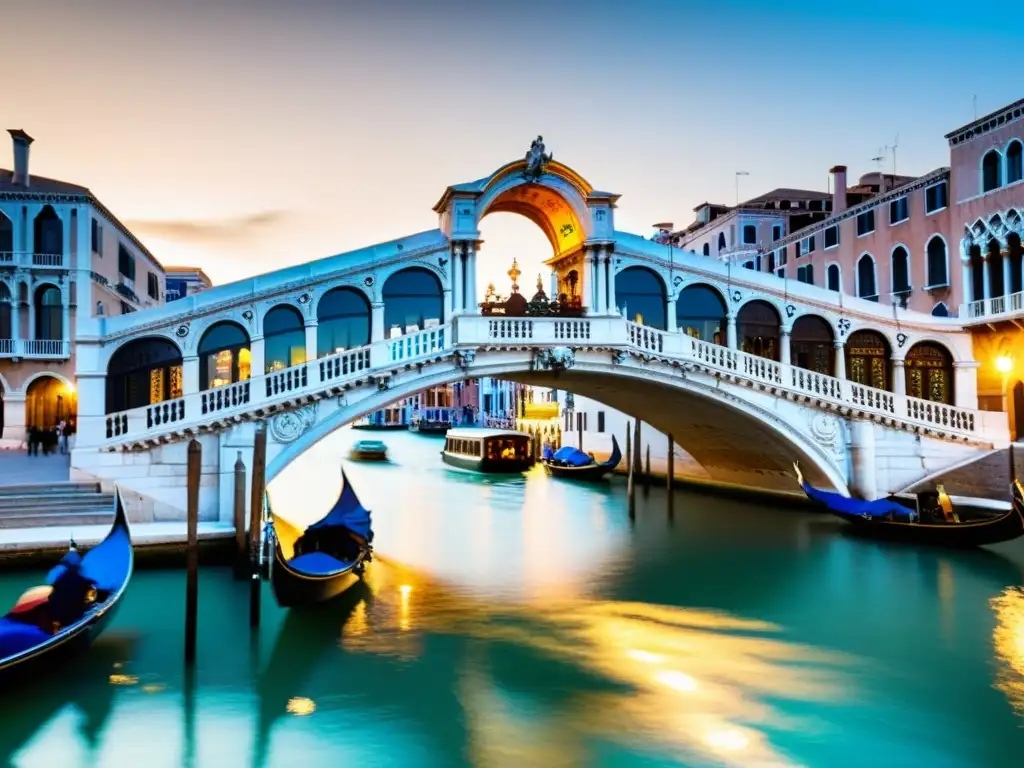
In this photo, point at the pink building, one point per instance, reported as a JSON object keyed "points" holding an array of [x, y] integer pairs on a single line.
{"points": [[892, 239]]}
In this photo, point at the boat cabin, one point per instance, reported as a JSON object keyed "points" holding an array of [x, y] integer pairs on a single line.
{"points": [[488, 450]]}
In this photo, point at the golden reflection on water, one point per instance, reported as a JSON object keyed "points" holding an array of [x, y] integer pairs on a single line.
{"points": [[692, 683], [301, 706], [1008, 640]]}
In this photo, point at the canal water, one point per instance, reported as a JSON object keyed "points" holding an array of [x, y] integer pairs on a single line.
{"points": [[527, 622]]}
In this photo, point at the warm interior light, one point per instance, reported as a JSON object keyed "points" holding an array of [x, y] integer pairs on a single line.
{"points": [[1004, 364], [405, 589]]}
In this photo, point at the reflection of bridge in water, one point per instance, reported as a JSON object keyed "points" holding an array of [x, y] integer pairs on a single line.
{"points": [[748, 372]]}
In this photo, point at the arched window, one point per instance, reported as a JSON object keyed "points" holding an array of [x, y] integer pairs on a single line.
{"points": [[143, 372], [867, 359], [812, 345], [833, 278], [990, 167], [940, 310], [721, 241], [1014, 161], [284, 338], [343, 321], [929, 372], [413, 297], [757, 326], [935, 253], [48, 231], [866, 287], [640, 294], [49, 401], [5, 312], [224, 356], [700, 313], [707, 249], [749, 234], [6, 234], [900, 270], [48, 313]]}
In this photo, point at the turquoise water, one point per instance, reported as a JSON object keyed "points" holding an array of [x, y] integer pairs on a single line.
{"points": [[527, 622]]}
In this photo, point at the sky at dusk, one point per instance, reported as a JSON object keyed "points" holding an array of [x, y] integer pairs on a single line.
{"points": [[245, 135]]}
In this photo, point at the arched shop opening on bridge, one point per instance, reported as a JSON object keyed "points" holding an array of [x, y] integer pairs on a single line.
{"points": [[929, 372], [284, 339], [49, 401], [343, 321], [224, 355], [867, 359], [143, 372], [812, 345], [640, 294], [701, 314], [413, 301], [757, 328]]}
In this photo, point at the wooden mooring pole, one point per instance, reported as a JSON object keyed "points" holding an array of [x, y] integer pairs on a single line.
{"points": [[259, 481], [579, 431], [670, 475], [629, 447], [647, 470], [241, 546], [195, 466]]}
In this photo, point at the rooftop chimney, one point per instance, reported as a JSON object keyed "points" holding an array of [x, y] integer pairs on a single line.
{"points": [[838, 188], [21, 143]]}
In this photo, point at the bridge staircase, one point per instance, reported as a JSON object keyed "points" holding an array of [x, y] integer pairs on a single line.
{"points": [[55, 504]]}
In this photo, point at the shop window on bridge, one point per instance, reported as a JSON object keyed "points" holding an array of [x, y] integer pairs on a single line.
{"points": [[812, 345], [413, 300], [224, 356], [640, 294], [6, 234], [936, 258], [49, 313], [343, 321], [757, 326], [1014, 164], [48, 231], [49, 401], [284, 339], [6, 312], [143, 372], [929, 371], [867, 359], [700, 313]]}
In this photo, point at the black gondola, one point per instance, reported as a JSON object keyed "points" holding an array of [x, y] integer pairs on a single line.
{"points": [[323, 561], [76, 603], [572, 463], [929, 518]]}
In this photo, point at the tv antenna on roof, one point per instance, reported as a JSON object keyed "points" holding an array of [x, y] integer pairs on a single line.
{"points": [[893, 147]]}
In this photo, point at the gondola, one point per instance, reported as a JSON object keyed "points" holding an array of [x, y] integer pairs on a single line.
{"points": [[929, 518], [48, 623], [572, 463], [323, 561]]}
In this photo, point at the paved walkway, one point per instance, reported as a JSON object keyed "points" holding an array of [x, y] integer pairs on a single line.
{"points": [[27, 539], [18, 468]]}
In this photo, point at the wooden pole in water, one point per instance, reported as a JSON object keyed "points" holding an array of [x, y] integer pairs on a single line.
{"points": [[647, 470], [637, 466], [1013, 471], [579, 430], [670, 475], [241, 547], [259, 480], [195, 466], [629, 448]]}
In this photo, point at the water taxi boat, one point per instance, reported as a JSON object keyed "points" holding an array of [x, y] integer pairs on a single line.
{"points": [[487, 450], [431, 421], [368, 450]]}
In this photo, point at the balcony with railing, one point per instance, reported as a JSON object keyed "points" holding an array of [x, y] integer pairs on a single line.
{"points": [[35, 349], [994, 309], [30, 260]]}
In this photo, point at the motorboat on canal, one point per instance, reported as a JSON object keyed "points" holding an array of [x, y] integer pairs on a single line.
{"points": [[369, 450], [574, 464], [928, 518], [431, 421], [324, 560], [79, 598], [498, 451]]}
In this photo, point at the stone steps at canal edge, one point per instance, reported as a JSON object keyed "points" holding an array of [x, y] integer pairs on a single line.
{"points": [[54, 504], [987, 477]]}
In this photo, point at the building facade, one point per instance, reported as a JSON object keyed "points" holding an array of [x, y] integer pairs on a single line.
{"points": [[185, 281], [63, 255]]}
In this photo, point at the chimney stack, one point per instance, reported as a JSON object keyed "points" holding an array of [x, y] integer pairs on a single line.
{"points": [[21, 144], [838, 188]]}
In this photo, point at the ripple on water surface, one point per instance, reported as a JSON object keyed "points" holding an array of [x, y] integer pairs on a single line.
{"points": [[525, 621]]}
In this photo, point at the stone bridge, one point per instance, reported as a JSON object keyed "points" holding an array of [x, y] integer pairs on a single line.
{"points": [[312, 347]]}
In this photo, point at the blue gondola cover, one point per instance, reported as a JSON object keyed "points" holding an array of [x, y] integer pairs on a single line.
{"points": [[572, 456], [846, 505]]}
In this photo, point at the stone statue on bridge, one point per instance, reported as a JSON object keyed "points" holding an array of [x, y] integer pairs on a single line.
{"points": [[536, 159]]}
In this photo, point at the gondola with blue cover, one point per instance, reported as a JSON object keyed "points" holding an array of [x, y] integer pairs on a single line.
{"points": [[572, 463], [75, 604], [929, 518], [324, 560]]}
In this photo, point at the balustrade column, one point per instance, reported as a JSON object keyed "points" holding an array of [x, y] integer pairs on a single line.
{"points": [[899, 378], [612, 303], [840, 360], [785, 353], [377, 330], [190, 375], [257, 357], [730, 332], [670, 317], [967, 279], [312, 339]]}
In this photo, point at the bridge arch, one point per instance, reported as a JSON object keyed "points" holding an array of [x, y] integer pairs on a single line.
{"points": [[759, 328], [412, 296], [702, 312], [284, 338], [224, 355], [643, 293], [141, 367], [344, 320]]}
